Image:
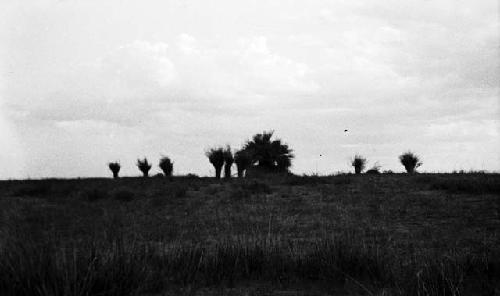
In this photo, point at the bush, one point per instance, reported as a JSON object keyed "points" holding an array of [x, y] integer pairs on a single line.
{"points": [[144, 166], [216, 158], [228, 161], [271, 155], [167, 166], [410, 161], [115, 168], [359, 163], [243, 160], [374, 170]]}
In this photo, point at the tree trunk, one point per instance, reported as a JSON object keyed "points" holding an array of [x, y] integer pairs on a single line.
{"points": [[217, 172], [115, 175], [227, 171], [357, 170], [240, 172]]}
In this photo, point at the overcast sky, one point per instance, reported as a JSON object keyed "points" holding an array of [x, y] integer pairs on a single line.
{"points": [[86, 82]]}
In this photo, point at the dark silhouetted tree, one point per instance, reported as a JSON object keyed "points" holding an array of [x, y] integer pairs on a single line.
{"points": [[144, 166], [359, 163], [216, 158], [271, 155], [243, 160], [166, 165], [115, 168], [228, 162], [410, 161]]}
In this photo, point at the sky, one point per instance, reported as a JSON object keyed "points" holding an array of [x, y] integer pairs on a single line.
{"points": [[86, 82]]}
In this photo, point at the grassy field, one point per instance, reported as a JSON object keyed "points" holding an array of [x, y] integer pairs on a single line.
{"points": [[389, 234]]}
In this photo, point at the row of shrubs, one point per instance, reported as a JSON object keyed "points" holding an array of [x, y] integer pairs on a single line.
{"points": [[408, 159], [165, 164], [262, 153]]}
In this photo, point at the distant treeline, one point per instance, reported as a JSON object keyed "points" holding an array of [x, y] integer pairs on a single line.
{"points": [[260, 155]]}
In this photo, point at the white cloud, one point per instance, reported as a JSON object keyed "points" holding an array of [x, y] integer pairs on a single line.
{"points": [[178, 77]]}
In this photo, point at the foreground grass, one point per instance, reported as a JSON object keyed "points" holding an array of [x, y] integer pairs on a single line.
{"points": [[351, 235]]}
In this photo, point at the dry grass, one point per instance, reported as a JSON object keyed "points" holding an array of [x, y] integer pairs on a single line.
{"points": [[341, 235]]}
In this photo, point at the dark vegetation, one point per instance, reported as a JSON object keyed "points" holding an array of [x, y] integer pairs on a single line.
{"points": [[144, 166], [410, 161], [385, 234], [270, 233], [243, 160], [167, 166], [375, 169], [261, 155], [269, 155], [115, 168], [216, 158], [228, 162], [359, 163]]}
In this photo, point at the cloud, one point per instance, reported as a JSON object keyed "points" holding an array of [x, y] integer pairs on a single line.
{"points": [[134, 79], [144, 78]]}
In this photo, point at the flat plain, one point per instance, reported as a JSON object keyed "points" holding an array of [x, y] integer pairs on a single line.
{"points": [[387, 234]]}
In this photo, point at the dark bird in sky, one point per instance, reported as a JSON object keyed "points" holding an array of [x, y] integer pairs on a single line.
{"points": [[345, 131]]}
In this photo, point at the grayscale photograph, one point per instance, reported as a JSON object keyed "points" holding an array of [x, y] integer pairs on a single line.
{"points": [[249, 147]]}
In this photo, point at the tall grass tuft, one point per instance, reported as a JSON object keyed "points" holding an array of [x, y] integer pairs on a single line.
{"points": [[216, 158], [115, 168], [410, 161], [144, 166], [359, 163], [167, 166]]}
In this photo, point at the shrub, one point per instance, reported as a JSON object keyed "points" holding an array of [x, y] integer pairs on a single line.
{"points": [[359, 163], [115, 168], [228, 161], [243, 160], [267, 154], [375, 169], [410, 161], [144, 166], [167, 166], [216, 158]]}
